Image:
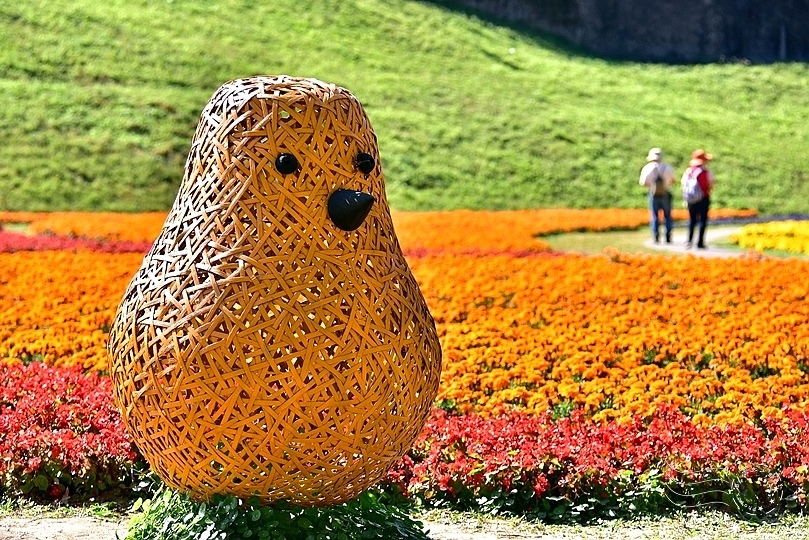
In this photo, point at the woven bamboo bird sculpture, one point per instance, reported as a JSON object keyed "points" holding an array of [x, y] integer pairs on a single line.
{"points": [[274, 342]]}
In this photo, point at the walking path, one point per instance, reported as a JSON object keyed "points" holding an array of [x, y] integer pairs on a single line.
{"points": [[66, 528], [712, 235], [443, 525]]}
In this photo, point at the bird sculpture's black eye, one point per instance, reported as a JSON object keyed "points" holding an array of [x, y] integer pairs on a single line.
{"points": [[286, 163], [365, 162]]}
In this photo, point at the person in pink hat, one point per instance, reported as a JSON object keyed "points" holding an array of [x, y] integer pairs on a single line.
{"points": [[697, 184]]}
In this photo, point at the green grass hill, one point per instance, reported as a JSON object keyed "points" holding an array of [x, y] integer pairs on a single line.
{"points": [[101, 98]]}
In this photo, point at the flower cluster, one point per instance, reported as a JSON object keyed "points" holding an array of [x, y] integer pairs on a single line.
{"points": [[59, 430], [613, 336], [790, 235], [578, 466]]}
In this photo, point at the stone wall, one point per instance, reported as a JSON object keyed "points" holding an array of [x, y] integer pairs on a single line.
{"points": [[668, 31]]}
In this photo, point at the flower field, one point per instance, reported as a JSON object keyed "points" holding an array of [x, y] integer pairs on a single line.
{"points": [[792, 236], [618, 336], [571, 386]]}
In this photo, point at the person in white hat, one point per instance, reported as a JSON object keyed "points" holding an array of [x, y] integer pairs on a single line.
{"points": [[658, 177]]}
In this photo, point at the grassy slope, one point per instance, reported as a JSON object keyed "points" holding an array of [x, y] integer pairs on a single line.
{"points": [[101, 99]]}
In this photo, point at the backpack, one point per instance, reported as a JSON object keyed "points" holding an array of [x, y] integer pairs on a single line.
{"points": [[659, 188], [692, 193]]}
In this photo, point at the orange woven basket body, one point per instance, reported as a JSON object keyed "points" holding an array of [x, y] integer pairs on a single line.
{"points": [[274, 341]]}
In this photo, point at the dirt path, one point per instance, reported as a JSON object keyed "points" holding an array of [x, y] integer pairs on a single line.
{"points": [[445, 525], [72, 528], [639, 241], [712, 235]]}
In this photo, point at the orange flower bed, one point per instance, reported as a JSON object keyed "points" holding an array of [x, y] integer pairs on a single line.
{"points": [[56, 306], [611, 336], [616, 336]]}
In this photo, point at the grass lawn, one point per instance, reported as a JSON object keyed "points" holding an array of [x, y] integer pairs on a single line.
{"points": [[101, 99], [592, 243]]}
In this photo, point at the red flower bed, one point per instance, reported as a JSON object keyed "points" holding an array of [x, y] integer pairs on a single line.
{"points": [[11, 242], [575, 467], [59, 430]]}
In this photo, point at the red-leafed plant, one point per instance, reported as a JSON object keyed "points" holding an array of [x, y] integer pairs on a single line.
{"points": [[60, 432], [11, 242], [574, 468]]}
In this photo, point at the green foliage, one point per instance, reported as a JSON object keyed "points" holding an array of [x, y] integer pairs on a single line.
{"points": [[630, 495], [563, 409], [101, 99], [172, 516], [448, 405]]}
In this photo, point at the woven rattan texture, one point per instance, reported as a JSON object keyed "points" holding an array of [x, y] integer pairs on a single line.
{"points": [[261, 350]]}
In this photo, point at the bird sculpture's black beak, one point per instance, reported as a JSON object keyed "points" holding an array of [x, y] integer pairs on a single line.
{"points": [[349, 208]]}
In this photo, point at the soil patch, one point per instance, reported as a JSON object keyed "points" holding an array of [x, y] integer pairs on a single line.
{"points": [[446, 525], [65, 528]]}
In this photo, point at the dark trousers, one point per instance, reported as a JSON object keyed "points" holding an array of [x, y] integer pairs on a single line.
{"points": [[657, 205], [698, 212]]}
